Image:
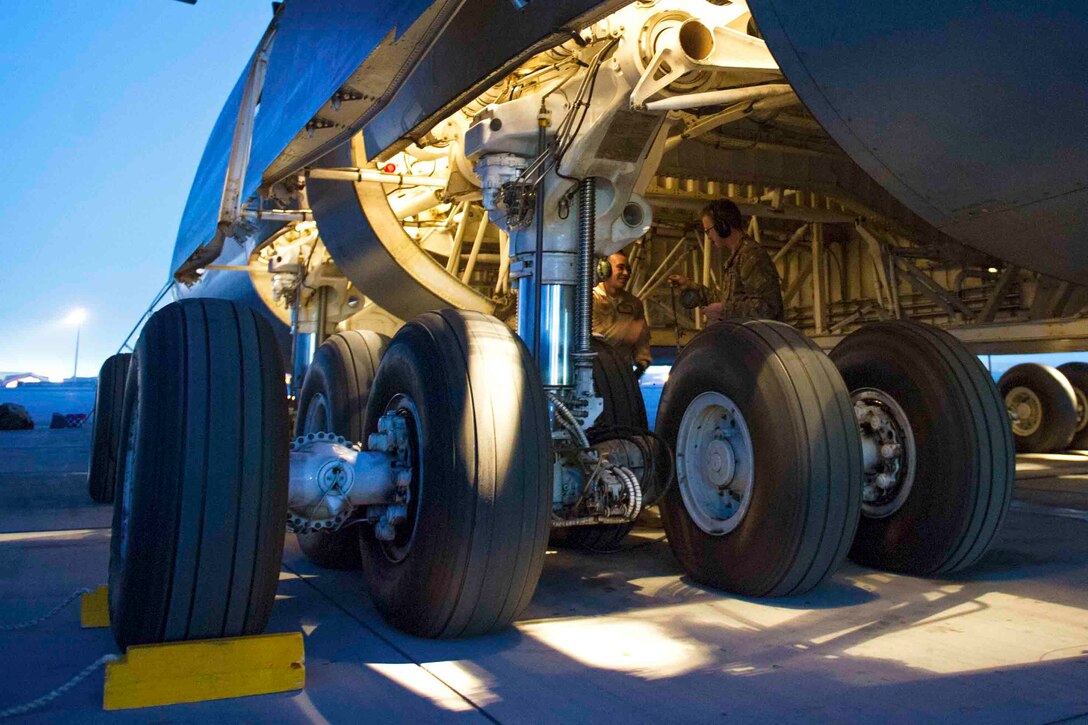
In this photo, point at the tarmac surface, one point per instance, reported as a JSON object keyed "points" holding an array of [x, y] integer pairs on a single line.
{"points": [[619, 637]]}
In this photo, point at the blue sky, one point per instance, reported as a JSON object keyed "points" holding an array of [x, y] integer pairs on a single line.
{"points": [[107, 106]]}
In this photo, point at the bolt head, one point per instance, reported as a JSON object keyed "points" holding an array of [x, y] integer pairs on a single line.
{"points": [[891, 450]]}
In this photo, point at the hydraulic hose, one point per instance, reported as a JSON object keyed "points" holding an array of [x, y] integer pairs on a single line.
{"points": [[567, 419]]}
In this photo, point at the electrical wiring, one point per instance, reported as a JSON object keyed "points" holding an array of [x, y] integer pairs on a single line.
{"points": [[568, 128]]}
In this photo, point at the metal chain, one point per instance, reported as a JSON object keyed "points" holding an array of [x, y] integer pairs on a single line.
{"points": [[57, 692], [24, 625]]}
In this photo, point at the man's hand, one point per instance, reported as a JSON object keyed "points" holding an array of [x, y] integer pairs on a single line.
{"points": [[678, 280], [713, 312]]}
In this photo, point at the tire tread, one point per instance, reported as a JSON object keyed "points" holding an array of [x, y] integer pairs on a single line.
{"points": [[213, 440], [990, 441]]}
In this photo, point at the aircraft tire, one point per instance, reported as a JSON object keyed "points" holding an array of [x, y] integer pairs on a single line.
{"points": [[950, 479], [1045, 404], [333, 400], [106, 430], [198, 522], [1077, 375], [615, 380], [768, 460], [617, 384], [467, 557]]}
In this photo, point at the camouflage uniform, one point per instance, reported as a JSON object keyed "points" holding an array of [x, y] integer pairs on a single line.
{"points": [[621, 321], [750, 284]]}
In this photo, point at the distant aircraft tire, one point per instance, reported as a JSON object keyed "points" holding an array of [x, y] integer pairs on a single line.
{"points": [[933, 423], [1077, 375], [616, 382], [106, 433], [1045, 406], [333, 400], [768, 460], [198, 522], [467, 557]]}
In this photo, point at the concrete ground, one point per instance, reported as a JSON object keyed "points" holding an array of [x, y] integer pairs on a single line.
{"points": [[621, 637]]}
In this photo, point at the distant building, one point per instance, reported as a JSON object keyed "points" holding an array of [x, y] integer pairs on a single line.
{"points": [[12, 380]]}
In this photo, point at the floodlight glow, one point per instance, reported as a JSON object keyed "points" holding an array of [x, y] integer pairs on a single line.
{"points": [[76, 316]]}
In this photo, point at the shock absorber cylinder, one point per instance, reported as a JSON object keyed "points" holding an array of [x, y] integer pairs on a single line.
{"points": [[545, 266], [303, 346]]}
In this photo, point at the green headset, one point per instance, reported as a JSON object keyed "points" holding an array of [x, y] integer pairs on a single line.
{"points": [[604, 269]]}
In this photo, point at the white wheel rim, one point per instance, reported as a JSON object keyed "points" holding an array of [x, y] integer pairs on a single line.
{"points": [[888, 452], [715, 464], [1025, 410]]}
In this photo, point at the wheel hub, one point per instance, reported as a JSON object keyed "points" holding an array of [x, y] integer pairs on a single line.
{"points": [[715, 463], [1025, 410], [321, 483], [720, 464], [888, 451], [335, 479], [399, 433]]}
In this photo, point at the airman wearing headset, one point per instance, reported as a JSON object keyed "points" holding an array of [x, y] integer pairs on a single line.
{"points": [[750, 283], [618, 316]]}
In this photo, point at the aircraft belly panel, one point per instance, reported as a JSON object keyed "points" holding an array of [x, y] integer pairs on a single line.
{"points": [[972, 117], [202, 206], [483, 40], [317, 46]]}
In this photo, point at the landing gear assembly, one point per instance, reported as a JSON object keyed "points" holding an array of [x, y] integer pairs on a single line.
{"points": [[439, 461], [623, 415]]}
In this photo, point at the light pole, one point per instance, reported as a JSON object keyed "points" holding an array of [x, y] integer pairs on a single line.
{"points": [[76, 317]]}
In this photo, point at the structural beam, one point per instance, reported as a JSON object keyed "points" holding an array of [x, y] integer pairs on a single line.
{"points": [[797, 283], [924, 285], [989, 312], [797, 236], [1007, 338], [680, 200], [819, 280]]}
